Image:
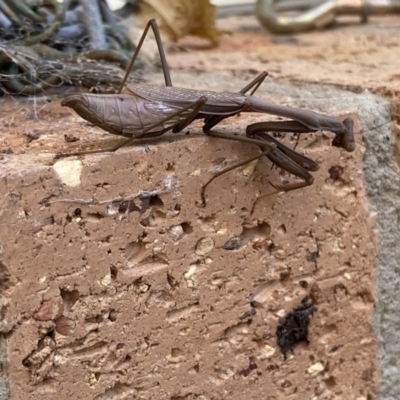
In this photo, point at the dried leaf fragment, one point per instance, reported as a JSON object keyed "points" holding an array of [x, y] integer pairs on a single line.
{"points": [[177, 18]]}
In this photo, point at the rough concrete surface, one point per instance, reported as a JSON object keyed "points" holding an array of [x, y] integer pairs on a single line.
{"points": [[117, 285]]}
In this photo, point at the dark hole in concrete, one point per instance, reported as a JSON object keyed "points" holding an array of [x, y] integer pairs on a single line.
{"points": [[330, 382], [172, 281], [187, 228], [271, 247], [155, 201], [50, 334], [3, 269], [252, 366], [335, 172], [95, 216], [335, 348], [159, 214], [127, 206], [339, 287], [145, 222], [281, 229], [70, 138], [312, 256], [260, 232], [69, 298], [285, 275], [114, 272], [112, 316], [170, 167], [26, 362]]}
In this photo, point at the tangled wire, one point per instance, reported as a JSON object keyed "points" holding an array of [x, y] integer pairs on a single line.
{"points": [[47, 44]]}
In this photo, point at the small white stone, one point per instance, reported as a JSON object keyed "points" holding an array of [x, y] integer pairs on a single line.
{"points": [[41, 235], [366, 341], [191, 271], [69, 172], [111, 209], [204, 246], [338, 245], [315, 368], [268, 351], [347, 276], [248, 169], [92, 379], [228, 373], [176, 232], [106, 280], [196, 172], [144, 288], [280, 313], [144, 346], [60, 359], [190, 284], [22, 215]]}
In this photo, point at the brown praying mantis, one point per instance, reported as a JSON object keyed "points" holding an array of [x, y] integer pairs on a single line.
{"points": [[147, 111]]}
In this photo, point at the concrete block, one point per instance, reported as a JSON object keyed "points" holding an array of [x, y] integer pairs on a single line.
{"points": [[118, 285]]}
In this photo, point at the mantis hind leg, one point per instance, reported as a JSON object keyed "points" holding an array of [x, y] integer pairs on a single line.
{"points": [[167, 77]]}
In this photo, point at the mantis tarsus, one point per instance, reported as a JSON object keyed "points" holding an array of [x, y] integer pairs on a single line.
{"points": [[150, 111]]}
